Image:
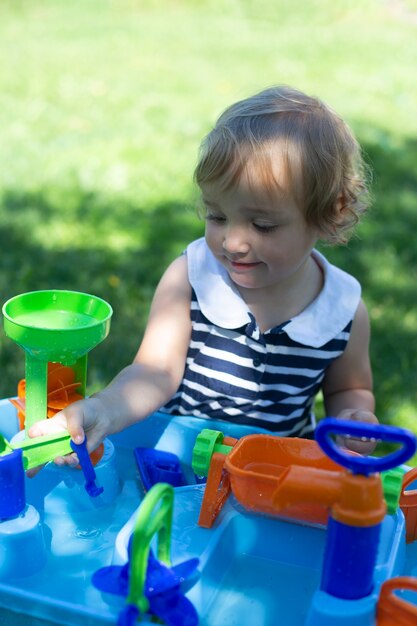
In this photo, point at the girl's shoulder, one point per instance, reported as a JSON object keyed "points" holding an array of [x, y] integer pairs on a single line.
{"points": [[333, 309], [175, 278]]}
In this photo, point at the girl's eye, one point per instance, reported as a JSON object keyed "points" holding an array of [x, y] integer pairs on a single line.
{"points": [[265, 228], [214, 218]]}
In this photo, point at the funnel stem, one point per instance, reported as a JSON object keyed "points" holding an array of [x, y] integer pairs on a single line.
{"points": [[36, 390]]}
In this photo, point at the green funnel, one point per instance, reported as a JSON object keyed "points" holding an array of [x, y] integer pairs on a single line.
{"points": [[59, 326], [54, 326]]}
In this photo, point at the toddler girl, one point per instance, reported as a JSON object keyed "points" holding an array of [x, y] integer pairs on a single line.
{"points": [[251, 321]]}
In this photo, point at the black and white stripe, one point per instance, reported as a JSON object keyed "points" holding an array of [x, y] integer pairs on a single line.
{"points": [[266, 380]]}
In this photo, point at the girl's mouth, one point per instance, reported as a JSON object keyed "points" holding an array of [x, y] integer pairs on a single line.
{"points": [[243, 266]]}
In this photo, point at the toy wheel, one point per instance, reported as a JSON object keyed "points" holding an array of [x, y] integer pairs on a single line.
{"points": [[203, 450], [392, 482]]}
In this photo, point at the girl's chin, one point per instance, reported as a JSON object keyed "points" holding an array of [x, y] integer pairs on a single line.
{"points": [[247, 282]]}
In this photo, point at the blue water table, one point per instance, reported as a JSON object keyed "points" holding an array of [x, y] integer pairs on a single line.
{"points": [[286, 531]]}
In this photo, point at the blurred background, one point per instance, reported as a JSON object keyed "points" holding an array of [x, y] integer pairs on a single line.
{"points": [[103, 104]]}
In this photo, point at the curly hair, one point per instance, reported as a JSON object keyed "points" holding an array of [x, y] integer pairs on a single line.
{"points": [[327, 173]]}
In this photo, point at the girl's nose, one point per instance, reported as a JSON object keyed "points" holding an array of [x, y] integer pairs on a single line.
{"points": [[235, 241]]}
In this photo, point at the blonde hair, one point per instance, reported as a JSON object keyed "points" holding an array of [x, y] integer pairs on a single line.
{"points": [[322, 157]]}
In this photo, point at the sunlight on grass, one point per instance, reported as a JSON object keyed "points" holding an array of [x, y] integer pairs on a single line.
{"points": [[103, 106]]}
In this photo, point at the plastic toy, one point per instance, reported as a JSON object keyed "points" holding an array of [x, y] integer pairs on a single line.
{"points": [[286, 541], [12, 485], [408, 503], [150, 584], [54, 326], [251, 564], [273, 476], [60, 327], [253, 467], [91, 487], [157, 466], [356, 501], [62, 390], [393, 610], [37, 450]]}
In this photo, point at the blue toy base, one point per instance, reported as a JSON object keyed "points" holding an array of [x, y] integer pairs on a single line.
{"points": [[254, 569]]}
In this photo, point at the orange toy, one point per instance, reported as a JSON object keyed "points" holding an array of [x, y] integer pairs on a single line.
{"points": [[354, 500], [393, 610], [408, 505], [259, 469], [252, 469], [62, 388], [62, 391], [218, 486]]}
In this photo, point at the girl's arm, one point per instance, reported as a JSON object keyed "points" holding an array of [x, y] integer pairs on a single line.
{"points": [[149, 382], [347, 386]]}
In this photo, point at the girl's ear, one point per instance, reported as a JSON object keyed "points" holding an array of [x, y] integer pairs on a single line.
{"points": [[339, 206], [340, 209], [338, 218]]}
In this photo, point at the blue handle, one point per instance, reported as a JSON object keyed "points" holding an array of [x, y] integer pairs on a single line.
{"points": [[365, 464], [87, 467]]}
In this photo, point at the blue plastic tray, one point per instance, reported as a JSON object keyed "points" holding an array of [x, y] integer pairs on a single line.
{"points": [[253, 569]]}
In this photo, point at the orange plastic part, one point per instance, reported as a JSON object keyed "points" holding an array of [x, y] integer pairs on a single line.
{"points": [[408, 505], [62, 391], [216, 492], [292, 478], [217, 487], [393, 610], [19, 403], [256, 464], [62, 388], [354, 499]]}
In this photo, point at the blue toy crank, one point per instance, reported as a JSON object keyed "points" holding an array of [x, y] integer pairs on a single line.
{"points": [[358, 510], [365, 464]]}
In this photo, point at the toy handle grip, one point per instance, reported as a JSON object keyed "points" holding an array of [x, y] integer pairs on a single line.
{"points": [[409, 496], [87, 468], [392, 609], [365, 464]]}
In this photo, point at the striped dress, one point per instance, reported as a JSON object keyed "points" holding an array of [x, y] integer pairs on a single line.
{"points": [[269, 380]]}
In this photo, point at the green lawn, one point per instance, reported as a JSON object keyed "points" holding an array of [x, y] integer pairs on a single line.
{"points": [[103, 105]]}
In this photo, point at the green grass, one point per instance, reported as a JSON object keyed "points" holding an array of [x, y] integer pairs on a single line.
{"points": [[103, 105]]}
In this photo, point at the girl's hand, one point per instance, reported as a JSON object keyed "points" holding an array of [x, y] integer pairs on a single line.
{"points": [[362, 446], [86, 418]]}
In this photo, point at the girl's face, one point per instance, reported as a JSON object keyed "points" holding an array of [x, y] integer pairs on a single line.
{"points": [[262, 240]]}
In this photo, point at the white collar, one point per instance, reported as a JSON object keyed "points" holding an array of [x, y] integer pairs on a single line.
{"points": [[221, 303]]}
